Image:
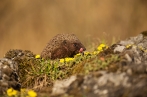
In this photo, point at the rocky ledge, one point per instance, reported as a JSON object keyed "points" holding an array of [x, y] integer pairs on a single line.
{"points": [[126, 77]]}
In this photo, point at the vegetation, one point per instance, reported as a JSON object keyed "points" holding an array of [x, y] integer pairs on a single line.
{"points": [[36, 73]]}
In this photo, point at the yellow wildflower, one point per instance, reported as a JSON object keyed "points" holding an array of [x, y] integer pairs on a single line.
{"points": [[128, 46], [101, 47], [79, 54], [37, 56], [141, 48], [96, 52], [61, 60], [66, 60], [69, 59], [86, 53], [11, 92], [31, 93]]}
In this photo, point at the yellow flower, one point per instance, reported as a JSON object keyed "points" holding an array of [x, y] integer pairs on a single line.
{"points": [[101, 47], [11, 92], [69, 59], [141, 48], [79, 54], [61, 60], [96, 52], [31, 93], [66, 60], [129, 45], [37, 56], [86, 53]]}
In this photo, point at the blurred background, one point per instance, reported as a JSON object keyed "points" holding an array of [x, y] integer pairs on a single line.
{"points": [[30, 24]]}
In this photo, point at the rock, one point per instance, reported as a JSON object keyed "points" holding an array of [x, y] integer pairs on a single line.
{"points": [[8, 75]]}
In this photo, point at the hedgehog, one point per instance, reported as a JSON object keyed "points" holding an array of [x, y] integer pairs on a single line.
{"points": [[61, 46]]}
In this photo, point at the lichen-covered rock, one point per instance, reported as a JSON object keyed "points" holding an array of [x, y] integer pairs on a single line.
{"points": [[25, 60], [8, 75], [11, 69], [104, 84], [17, 54]]}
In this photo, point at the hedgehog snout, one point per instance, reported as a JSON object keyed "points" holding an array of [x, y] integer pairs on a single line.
{"points": [[81, 50]]}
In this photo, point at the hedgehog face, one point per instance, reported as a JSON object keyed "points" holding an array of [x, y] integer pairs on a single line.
{"points": [[77, 48], [73, 47]]}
